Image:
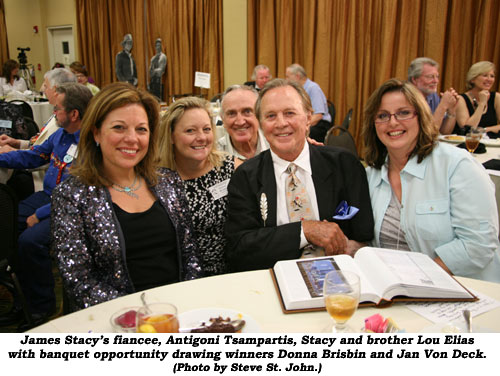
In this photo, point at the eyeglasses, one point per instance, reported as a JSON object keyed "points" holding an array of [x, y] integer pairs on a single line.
{"points": [[401, 115], [432, 76]]}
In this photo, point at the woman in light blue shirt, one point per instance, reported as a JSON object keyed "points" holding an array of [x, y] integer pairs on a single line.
{"points": [[427, 196]]}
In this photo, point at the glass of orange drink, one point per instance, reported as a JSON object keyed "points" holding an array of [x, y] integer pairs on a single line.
{"points": [[157, 318], [341, 290]]}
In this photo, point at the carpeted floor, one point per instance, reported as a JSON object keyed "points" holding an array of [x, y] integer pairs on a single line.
{"points": [[6, 302]]}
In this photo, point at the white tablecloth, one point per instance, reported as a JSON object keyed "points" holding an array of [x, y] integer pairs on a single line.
{"points": [[253, 294], [42, 111]]}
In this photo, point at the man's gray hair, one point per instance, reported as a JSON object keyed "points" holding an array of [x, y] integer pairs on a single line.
{"points": [[59, 76], [237, 87], [76, 97], [298, 69], [258, 68], [417, 66]]}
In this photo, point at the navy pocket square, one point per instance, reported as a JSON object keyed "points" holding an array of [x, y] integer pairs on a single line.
{"points": [[344, 211]]}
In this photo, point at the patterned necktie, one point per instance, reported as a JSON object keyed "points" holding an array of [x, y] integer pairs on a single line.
{"points": [[299, 207], [298, 202]]}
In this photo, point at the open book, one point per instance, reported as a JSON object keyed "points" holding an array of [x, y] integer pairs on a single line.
{"points": [[385, 275]]}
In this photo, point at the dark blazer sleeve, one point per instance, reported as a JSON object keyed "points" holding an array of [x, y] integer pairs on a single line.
{"points": [[250, 244]]}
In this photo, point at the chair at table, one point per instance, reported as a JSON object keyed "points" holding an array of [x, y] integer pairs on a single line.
{"points": [[25, 107], [331, 110], [347, 120], [340, 137], [8, 246]]}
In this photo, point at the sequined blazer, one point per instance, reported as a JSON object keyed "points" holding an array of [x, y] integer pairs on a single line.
{"points": [[89, 244]]}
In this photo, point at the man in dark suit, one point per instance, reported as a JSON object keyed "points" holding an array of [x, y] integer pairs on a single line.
{"points": [[258, 227], [126, 70]]}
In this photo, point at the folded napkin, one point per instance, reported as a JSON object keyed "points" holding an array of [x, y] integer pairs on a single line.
{"points": [[481, 149], [492, 164]]}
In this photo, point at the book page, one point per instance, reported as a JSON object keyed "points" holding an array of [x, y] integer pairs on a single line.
{"points": [[418, 269], [368, 291], [375, 269], [404, 268]]}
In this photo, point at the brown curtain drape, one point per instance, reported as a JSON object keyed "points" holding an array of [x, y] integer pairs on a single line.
{"points": [[191, 32], [4, 45], [349, 47]]}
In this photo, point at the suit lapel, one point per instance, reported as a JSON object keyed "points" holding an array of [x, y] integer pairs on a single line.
{"points": [[267, 185], [323, 178]]}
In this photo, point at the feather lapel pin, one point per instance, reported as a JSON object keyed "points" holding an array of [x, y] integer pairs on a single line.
{"points": [[263, 207]]}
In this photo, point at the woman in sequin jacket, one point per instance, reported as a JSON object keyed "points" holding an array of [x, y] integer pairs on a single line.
{"points": [[120, 224]]}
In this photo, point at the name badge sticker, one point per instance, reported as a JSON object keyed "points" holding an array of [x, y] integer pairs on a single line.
{"points": [[6, 124], [219, 190], [72, 150], [71, 154]]}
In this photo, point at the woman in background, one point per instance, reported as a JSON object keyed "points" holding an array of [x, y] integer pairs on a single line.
{"points": [[82, 75], [10, 80], [187, 146], [479, 106], [427, 196], [119, 224]]}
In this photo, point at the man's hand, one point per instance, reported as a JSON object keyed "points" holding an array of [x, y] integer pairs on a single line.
{"points": [[32, 220], [327, 235], [6, 149], [353, 246], [450, 99], [6, 140]]}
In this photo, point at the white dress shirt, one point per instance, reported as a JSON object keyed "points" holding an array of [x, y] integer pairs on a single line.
{"points": [[304, 173], [6, 87]]}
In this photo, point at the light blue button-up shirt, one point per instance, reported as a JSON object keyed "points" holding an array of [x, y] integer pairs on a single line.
{"points": [[448, 210]]}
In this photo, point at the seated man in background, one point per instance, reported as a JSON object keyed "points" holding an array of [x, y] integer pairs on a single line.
{"points": [[35, 266], [321, 120], [279, 210], [243, 138], [261, 74], [22, 181], [423, 72]]}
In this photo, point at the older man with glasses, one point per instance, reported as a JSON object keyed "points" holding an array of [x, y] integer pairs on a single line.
{"points": [[423, 72]]}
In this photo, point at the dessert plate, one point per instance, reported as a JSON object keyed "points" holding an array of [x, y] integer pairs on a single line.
{"points": [[453, 138], [196, 317]]}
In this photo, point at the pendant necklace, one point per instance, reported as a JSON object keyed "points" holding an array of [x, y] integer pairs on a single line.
{"points": [[128, 190]]}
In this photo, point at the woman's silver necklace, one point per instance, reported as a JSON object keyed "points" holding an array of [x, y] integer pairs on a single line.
{"points": [[128, 190]]}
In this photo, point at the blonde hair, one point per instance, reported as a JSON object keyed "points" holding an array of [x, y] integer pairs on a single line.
{"points": [[476, 70], [89, 166], [175, 112], [375, 151]]}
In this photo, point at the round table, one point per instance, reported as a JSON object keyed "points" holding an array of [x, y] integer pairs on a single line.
{"points": [[253, 294]]}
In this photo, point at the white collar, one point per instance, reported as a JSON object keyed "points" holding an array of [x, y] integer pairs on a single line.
{"points": [[303, 161]]}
